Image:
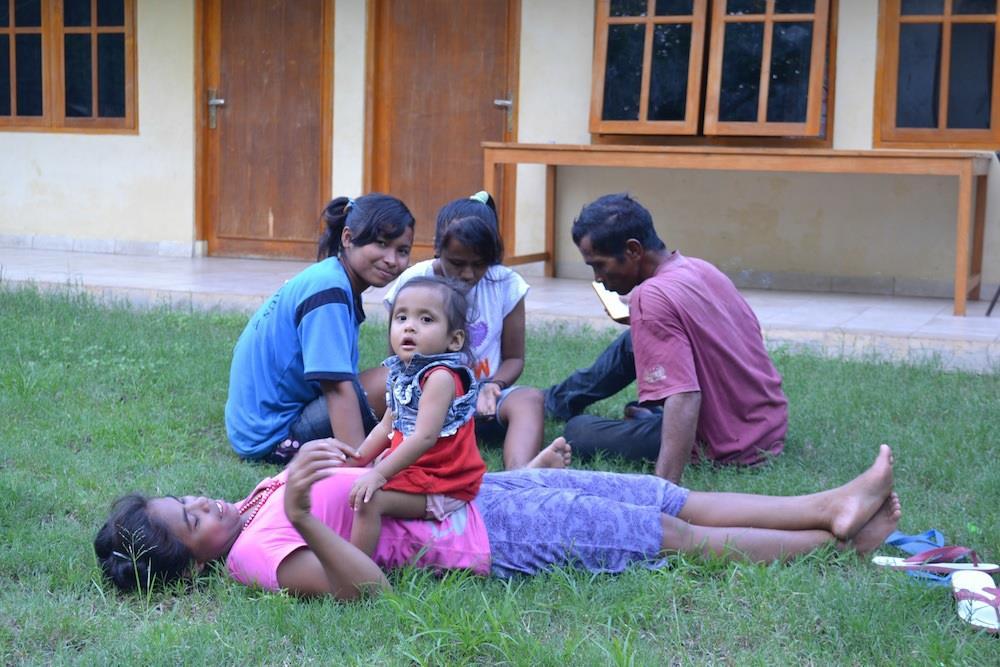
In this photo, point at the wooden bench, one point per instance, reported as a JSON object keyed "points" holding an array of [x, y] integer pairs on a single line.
{"points": [[970, 167]]}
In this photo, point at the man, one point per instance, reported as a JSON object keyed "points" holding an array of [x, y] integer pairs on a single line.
{"points": [[707, 388]]}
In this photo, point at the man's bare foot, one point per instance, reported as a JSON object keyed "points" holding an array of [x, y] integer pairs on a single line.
{"points": [[854, 503], [874, 532], [557, 455]]}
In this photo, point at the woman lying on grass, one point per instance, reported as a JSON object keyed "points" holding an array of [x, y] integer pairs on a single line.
{"points": [[292, 531]]}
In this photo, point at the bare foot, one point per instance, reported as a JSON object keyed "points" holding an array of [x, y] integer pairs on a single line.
{"points": [[874, 532], [557, 455], [854, 503]]}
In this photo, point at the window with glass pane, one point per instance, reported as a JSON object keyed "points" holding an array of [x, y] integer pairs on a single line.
{"points": [[767, 77], [765, 74], [67, 64], [647, 72], [940, 81]]}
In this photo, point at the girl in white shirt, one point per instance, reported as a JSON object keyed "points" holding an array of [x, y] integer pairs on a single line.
{"points": [[468, 248]]}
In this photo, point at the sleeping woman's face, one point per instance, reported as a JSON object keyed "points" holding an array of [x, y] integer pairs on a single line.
{"points": [[205, 526]]}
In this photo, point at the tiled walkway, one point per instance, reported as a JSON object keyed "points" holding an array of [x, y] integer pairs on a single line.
{"points": [[893, 328]]}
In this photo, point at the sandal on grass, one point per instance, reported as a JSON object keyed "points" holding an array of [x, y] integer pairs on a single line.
{"points": [[978, 600], [943, 560], [914, 544]]}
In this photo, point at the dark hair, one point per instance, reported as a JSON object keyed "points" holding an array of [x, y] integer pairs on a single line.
{"points": [[136, 552], [369, 217], [455, 303], [473, 223], [612, 220]]}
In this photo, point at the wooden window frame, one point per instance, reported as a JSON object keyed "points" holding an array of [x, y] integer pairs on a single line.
{"points": [[705, 79], [689, 125], [886, 134], [817, 65], [54, 118]]}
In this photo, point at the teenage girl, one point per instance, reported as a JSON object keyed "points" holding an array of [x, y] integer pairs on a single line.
{"points": [[468, 248], [294, 375], [433, 466]]}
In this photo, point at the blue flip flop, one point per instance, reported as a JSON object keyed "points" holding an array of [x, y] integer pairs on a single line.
{"points": [[914, 544]]}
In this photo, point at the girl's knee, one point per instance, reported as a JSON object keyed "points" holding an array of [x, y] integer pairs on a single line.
{"points": [[524, 400]]}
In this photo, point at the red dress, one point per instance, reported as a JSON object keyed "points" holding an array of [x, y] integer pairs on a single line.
{"points": [[451, 467]]}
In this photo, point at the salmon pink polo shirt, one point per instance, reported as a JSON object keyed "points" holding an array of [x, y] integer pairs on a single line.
{"points": [[693, 331]]}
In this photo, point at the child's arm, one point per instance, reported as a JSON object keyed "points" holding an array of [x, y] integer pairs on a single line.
{"points": [[438, 394], [376, 442], [511, 361]]}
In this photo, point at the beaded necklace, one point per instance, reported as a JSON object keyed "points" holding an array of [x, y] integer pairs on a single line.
{"points": [[257, 501]]}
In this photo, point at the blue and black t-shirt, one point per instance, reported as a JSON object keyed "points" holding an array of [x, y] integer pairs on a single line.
{"points": [[305, 333]]}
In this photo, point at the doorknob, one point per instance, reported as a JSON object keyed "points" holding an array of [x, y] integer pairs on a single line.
{"points": [[214, 102], [503, 104]]}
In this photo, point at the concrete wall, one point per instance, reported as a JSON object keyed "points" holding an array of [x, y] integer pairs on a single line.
{"points": [[115, 193], [135, 193], [873, 234], [348, 97]]}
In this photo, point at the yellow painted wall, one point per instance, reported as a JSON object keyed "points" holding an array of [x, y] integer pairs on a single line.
{"points": [[869, 233], [348, 97], [136, 188]]}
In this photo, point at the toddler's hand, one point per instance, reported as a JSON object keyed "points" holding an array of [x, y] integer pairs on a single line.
{"points": [[364, 488]]}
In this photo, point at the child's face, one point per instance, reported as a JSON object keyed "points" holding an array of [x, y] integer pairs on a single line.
{"points": [[419, 324], [462, 263]]}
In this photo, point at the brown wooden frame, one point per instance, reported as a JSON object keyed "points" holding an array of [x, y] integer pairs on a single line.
{"points": [[53, 118], [207, 18], [505, 197], [885, 131], [817, 64], [813, 132], [969, 168], [603, 21]]}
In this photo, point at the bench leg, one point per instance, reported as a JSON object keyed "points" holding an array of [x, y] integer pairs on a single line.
{"points": [[978, 230], [962, 229]]}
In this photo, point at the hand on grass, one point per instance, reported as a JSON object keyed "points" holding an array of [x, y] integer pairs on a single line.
{"points": [[364, 488]]}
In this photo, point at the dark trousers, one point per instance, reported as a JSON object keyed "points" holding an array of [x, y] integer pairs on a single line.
{"points": [[612, 371]]}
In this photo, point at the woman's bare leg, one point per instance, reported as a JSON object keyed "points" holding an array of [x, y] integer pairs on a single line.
{"points": [[523, 411], [768, 544], [841, 511], [373, 382]]}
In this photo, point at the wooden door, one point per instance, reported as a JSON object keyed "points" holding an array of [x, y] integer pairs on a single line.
{"points": [[265, 172], [436, 69]]}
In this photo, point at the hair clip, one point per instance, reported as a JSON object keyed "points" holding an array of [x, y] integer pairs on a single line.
{"points": [[483, 197], [119, 554], [350, 205]]}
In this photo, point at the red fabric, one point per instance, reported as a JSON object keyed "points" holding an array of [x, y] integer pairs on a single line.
{"points": [[693, 331], [451, 467]]}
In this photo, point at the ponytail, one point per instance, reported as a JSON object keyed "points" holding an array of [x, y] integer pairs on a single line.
{"points": [[333, 217]]}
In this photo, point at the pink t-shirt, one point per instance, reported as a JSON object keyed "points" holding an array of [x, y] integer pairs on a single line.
{"points": [[458, 542], [693, 331]]}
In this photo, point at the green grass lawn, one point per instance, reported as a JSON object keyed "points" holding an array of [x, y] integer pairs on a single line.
{"points": [[96, 402]]}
